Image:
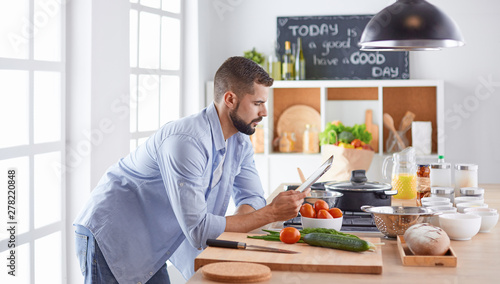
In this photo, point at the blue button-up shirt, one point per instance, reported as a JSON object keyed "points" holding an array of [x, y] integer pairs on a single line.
{"points": [[157, 203]]}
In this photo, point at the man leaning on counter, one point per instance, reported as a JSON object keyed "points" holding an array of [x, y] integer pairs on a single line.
{"points": [[166, 198]]}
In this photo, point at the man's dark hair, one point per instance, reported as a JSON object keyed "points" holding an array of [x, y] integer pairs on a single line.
{"points": [[237, 74]]}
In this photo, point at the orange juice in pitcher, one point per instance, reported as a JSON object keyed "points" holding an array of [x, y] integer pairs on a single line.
{"points": [[406, 185], [404, 173]]}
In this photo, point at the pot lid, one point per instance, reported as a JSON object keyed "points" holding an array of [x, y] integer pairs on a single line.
{"points": [[358, 182]]}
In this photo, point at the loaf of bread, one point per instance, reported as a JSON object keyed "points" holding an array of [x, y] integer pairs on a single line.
{"points": [[425, 239]]}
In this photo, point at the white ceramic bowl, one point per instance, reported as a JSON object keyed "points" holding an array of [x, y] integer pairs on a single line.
{"points": [[461, 206], [460, 227], [335, 223], [482, 209], [437, 203], [462, 199], [434, 219], [488, 220], [434, 198]]}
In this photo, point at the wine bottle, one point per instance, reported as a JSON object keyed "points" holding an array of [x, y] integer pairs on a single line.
{"points": [[287, 63], [300, 62], [275, 64]]}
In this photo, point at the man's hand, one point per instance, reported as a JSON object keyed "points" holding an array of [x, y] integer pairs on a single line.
{"points": [[286, 204]]}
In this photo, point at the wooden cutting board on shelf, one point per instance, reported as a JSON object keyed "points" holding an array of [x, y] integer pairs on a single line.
{"points": [[372, 128], [310, 258]]}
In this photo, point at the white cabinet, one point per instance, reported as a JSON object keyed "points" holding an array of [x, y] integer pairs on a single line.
{"points": [[346, 101]]}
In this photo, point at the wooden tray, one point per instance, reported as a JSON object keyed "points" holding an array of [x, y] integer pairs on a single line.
{"points": [[409, 259]]}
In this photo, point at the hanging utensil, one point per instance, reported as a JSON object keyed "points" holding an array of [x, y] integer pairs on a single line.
{"points": [[241, 245], [406, 121]]}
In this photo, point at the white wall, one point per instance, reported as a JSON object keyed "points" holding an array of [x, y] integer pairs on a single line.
{"points": [[471, 73]]}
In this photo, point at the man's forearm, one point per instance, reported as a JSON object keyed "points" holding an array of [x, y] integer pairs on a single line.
{"points": [[247, 219], [244, 209]]}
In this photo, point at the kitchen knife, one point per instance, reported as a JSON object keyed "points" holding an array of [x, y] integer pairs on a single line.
{"points": [[241, 245]]}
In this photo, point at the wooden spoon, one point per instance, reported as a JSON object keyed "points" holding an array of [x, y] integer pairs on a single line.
{"points": [[301, 175], [406, 121], [389, 123]]}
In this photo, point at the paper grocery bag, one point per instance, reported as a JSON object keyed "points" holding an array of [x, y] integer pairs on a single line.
{"points": [[344, 162]]}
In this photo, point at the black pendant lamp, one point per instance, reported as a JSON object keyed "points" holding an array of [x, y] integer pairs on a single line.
{"points": [[410, 25]]}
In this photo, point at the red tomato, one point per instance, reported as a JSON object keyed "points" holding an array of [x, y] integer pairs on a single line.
{"points": [[289, 235], [320, 204], [356, 143], [323, 214], [335, 212], [307, 210]]}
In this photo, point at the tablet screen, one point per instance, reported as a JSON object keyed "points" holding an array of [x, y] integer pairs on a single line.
{"points": [[316, 175]]}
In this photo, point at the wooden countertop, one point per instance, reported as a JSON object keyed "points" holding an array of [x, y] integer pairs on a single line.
{"points": [[478, 260]]}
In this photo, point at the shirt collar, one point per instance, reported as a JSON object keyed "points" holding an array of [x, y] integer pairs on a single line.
{"points": [[213, 119]]}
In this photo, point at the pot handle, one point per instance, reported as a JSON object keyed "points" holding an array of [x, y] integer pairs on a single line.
{"points": [[391, 192], [366, 207]]}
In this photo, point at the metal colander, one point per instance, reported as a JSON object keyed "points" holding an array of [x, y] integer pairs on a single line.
{"points": [[395, 220]]}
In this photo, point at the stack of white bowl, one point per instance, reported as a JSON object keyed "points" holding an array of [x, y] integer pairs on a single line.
{"points": [[469, 216]]}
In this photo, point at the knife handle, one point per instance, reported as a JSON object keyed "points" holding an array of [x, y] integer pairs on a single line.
{"points": [[225, 244]]}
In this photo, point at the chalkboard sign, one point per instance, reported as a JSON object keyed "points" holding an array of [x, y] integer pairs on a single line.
{"points": [[330, 47]]}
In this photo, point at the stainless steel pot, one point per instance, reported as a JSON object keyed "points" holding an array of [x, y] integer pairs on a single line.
{"points": [[358, 192], [331, 197]]}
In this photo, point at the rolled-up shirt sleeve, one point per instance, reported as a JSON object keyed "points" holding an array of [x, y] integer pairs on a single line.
{"points": [[247, 185], [183, 165]]}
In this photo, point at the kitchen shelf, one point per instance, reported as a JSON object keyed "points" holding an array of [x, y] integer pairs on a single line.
{"points": [[352, 98], [347, 101]]}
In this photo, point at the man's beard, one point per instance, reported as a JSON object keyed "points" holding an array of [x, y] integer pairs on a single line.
{"points": [[240, 124]]}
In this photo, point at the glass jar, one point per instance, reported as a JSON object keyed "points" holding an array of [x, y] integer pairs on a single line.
{"points": [[472, 191], [440, 175], [423, 182], [447, 192], [287, 142], [257, 139], [465, 175], [310, 143]]}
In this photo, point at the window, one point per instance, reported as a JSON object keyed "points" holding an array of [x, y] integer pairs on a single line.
{"points": [[32, 99], [155, 61]]}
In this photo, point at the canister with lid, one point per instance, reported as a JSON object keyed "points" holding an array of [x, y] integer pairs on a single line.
{"points": [[440, 175], [439, 191], [465, 175], [472, 191]]}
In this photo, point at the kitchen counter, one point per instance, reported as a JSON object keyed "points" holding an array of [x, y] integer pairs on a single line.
{"points": [[478, 260]]}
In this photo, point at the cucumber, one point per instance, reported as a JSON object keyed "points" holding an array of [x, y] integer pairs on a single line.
{"points": [[337, 242]]}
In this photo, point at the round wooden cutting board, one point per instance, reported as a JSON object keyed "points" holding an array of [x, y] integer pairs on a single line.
{"points": [[294, 119], [236, 272]]}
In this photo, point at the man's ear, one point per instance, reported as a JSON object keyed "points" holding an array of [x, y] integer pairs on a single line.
{"points": [[230, 99]]}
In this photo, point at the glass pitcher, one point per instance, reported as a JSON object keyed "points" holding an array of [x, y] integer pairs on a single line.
{"points": [[404, 173]]}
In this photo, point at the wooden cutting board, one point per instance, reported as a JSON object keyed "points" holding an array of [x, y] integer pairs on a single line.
{"points": [[310, 258], [372, 128], [294, 119]]}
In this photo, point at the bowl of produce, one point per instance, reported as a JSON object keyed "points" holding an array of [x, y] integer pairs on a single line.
{"points": [[334, 223], [395, 220], [330, 197], [460, 227], [320, 215]]}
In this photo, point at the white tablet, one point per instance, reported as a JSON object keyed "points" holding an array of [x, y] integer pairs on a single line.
{"points": [[316, 175]]}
